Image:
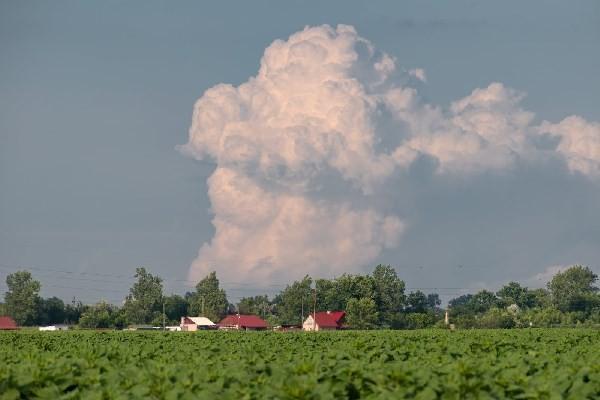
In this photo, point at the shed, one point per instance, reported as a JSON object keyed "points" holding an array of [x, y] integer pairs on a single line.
{"points": [[7, 323]]}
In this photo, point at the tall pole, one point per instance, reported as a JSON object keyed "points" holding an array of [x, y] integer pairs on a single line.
{"points": [[302, 316], [315, 310], [164, 317]]}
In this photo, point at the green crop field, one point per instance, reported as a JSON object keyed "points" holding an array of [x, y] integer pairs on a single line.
{"points": [[517, 364]]}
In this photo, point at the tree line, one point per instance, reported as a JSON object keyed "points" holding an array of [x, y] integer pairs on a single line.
{"points": [[371, 301]]}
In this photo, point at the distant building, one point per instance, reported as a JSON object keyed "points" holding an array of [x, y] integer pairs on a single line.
{"points": [[243, 322], [324, 320], [59, 327], [7, 323], [196, 323]]}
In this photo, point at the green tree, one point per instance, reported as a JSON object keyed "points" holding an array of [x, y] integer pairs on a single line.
{"points": [[389, 294], [74, 311], [539, 298], [293, 300], [362, 313], [574, 290], [101, 316], [144, 302], [22, 297], [51, 311], [175, 307], [257, 305], [514, 293], [417, 302], [483, 301], [209, 299]]}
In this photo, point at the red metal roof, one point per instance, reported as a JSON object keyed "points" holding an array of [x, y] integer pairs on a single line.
{"points": [[245, 321], [7, 323], [330, 319]]}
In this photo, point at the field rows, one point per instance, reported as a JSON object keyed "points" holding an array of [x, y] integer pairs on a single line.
{"points": [[536, 363]]}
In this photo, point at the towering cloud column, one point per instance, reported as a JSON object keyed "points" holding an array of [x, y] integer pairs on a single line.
{"points": [[304, 147]]}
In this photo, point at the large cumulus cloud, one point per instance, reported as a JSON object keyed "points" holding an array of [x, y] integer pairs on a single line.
{"points": [[304, 148]]}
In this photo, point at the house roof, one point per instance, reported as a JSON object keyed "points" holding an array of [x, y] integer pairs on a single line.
{"points": [[245, 321], [200, 321], [7, 323], [329, 319]]}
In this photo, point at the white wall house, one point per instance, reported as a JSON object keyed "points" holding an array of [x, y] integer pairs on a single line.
{"points": [[196, 323]]}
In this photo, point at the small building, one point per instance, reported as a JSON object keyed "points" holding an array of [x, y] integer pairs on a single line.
{"points": [[59, 327], [243, 322], [324, 320], [196, 323], [7, 323]]}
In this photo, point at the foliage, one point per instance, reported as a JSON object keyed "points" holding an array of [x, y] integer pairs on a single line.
{"points": [[209, 299], [103, 316], [175, 307], [51, 311], [144, 302], [257, 305], [425, 364], [295, 301], [22, 297], [389, 294], [362, 313], [574, 290]]}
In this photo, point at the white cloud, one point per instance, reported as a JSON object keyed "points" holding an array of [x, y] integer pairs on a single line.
{"points": [[309, 120], [418, 73], [579, 143], [540, 279]]}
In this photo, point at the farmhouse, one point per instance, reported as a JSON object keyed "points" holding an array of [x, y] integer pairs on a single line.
{"points": [[324, 320], [243, 322], [196, 323], [7, 323]]}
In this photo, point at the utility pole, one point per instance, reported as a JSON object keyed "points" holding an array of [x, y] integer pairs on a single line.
{"points": [[164, 317], [203, 306], [302, 315], [315, 310]]}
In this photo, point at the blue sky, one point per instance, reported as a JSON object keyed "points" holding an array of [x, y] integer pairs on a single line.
{"points": [[94, 98]]}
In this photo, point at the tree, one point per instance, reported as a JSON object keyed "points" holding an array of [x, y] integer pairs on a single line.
{"points": [[257, 305], [101, 315], [175, 307], [362, 313], [433, 301], [74, 311], [389, 294], [573, 289], [294, 299], [209, 300], [51, 311], [417, 302], [483, 301], [514, 293], [144, 302], [22, 297]]}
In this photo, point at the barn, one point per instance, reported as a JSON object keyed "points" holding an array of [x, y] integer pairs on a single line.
{"points": [[243, 322]]}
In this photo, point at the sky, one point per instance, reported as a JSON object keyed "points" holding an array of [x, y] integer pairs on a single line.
{"points": [[267, 140]]}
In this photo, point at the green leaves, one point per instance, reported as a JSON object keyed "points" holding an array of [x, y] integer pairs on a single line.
{"points": [[426, 364]]}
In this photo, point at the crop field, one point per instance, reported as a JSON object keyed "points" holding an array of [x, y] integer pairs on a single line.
{"points": [[431, 364]]}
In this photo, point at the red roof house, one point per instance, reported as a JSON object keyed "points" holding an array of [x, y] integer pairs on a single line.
{"points": [[324, 320], [243, 322], [7, 323]]}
